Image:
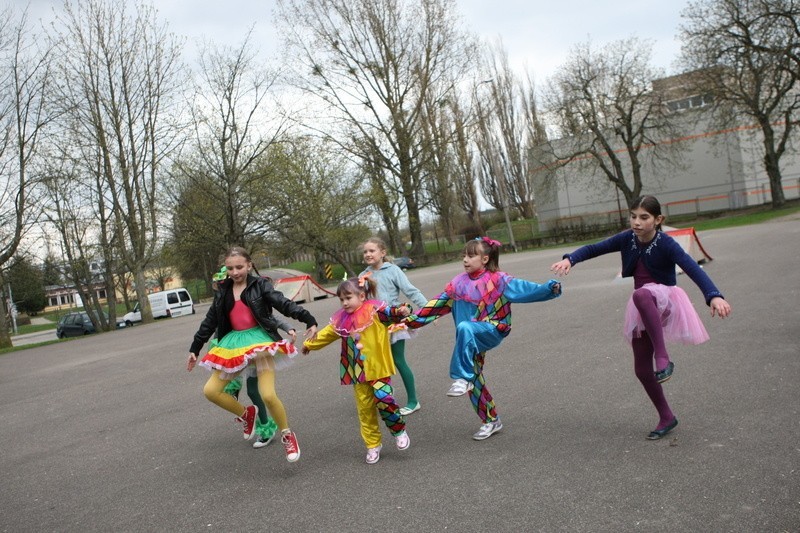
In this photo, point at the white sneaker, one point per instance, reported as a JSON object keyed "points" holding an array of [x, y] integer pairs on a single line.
{"points": [[374, 454], [459, 387], [405, 411], [261, 441], [402, 441], [488, 429]]}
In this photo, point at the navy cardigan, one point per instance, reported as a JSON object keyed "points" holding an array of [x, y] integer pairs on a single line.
{"points": [[659, 256]]}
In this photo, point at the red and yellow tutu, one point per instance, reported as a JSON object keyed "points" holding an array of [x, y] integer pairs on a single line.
{"points": [[239, 348]]}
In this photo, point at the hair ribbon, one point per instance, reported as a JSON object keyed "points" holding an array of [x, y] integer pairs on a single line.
{"points": [[363, 280]]}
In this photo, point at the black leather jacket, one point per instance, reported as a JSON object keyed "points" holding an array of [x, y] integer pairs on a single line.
{"points": [[261, 297]]}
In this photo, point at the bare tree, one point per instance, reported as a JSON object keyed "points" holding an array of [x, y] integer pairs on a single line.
{"points": [[233, 128], [70, 211], [608, 116], [374, 64], [511, 118], [25, 79], [746, 55], [121, 78], [464, 168], [439, 133]]}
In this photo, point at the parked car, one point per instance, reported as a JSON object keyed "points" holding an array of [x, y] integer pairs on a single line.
{"points": [[172, 302], [404, 262], [78, 324]]}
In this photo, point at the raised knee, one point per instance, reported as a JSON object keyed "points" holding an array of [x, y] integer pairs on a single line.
{"points": [[642, 296], [209, 392]]}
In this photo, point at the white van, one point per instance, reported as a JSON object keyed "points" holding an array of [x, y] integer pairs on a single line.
{"points": [[169, 303]]}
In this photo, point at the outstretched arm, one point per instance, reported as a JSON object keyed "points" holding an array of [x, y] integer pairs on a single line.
{"points": [[438, 307], [612, 244], [325, 336], [522, 291]]}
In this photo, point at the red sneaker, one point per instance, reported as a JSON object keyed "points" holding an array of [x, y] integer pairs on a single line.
{"points": [[289, 440], [248, 420]]}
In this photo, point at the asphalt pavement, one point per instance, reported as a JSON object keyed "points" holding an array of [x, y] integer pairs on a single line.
{"points": [[111, 433]]}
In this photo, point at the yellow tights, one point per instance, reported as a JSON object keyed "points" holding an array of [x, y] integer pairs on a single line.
{"points": [[215, 385]]}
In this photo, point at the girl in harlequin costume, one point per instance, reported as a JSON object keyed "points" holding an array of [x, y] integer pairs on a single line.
{"points": [[366, 360], [658, 309], [392, 281], [480, 300], [241, 316]]}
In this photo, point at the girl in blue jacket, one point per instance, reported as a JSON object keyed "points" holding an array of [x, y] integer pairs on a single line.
{"points": [[658, 309]]}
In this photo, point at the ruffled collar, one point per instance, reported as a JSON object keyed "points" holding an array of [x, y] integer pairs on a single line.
{"points": [[346, 324], [483, 286]]}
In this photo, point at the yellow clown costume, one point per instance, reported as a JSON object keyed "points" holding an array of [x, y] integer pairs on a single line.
{"points": [[366, 363]]}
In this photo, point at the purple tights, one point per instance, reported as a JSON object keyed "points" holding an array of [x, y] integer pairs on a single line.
{"points": [[643, 367], [645, 303]]}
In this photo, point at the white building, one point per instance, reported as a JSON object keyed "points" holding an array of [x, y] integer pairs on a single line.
{"points": [[720, 169]]}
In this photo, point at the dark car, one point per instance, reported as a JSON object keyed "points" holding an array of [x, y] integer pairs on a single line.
{"points": [[77, 324], [404, 262]]}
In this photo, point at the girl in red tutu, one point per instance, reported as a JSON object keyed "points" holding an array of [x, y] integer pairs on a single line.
{"points": [[246, 331], [658, 310]]}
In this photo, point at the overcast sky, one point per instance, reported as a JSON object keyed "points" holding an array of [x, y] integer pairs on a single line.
{"points": [[536, 33]]}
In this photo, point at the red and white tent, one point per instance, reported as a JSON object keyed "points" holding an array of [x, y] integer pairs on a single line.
{"points": [[688, 240], [302, 289]]}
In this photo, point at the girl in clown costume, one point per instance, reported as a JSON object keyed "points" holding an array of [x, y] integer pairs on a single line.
{"points": [[366, 360], [480, 300], [241, 316]]}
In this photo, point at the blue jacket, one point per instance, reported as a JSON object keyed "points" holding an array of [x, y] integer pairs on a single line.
{"points": [[660, 257], [391, 282]]}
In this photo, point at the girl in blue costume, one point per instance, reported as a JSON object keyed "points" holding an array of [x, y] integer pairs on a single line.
{"points": [[658, 309], [241, 317], [480, 300], [366, 360], [392, 281]]}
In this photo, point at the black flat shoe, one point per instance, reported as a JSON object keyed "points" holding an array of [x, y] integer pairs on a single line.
{"points": [[665, 374], [658, 433]]}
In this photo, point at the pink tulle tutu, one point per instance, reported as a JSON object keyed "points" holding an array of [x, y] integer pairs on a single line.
{"points": [[679, 319]]}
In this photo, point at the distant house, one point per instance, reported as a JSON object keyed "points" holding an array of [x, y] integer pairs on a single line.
{"points": [[64, 296]]}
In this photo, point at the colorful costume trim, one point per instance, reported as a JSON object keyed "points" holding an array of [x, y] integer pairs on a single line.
{"points": [[237, 349], [348, 324]]}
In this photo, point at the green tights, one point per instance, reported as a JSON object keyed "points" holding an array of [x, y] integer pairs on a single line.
{"points": [[399, 356]]}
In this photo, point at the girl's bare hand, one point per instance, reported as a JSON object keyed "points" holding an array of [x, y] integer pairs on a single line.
{"points": [[293, 334], [311, 333], [720, 307], [191, 362], [561, 268]]}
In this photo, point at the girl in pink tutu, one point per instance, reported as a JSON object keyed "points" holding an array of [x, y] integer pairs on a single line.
{"points": [[241, 317], [658, 310]]}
